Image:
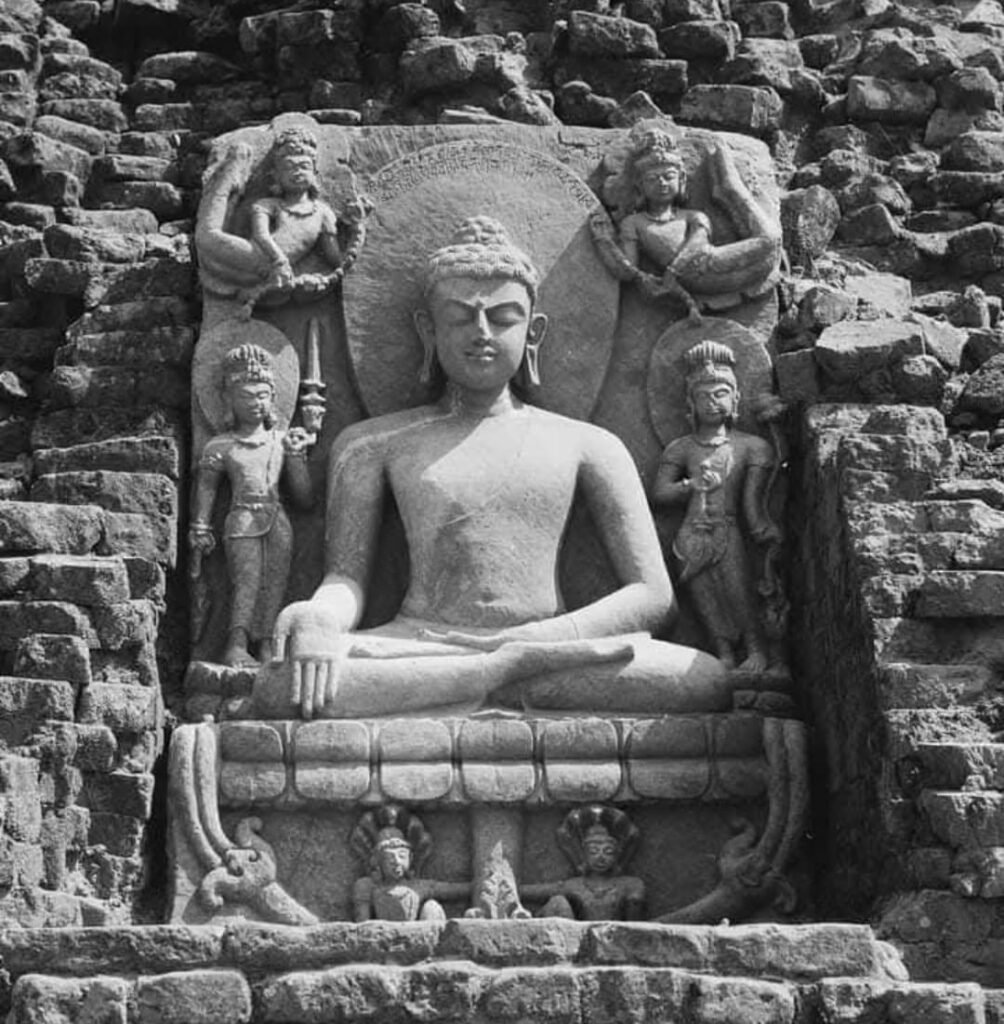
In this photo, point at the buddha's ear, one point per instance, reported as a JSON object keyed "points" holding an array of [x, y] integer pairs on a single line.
{"points": [[531, 355], [427, 333]]}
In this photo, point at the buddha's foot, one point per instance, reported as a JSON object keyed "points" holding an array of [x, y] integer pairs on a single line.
{"points": [[521, 659]]}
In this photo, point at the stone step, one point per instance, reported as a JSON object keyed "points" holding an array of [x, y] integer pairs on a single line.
{"points": [[965, 819], [480, 972], [941, 594], [912, 685], [962, 766]]}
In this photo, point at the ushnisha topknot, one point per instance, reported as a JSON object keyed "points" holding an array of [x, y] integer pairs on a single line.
{"points": [[481, 248], [709, 362], [247, 364]]}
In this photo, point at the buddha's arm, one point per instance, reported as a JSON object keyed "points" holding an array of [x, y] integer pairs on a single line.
{"points": [[613, 490]]}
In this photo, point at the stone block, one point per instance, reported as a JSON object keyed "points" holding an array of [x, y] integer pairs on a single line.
{"points": [[975, 151], [52, 656], [965, 819], [105, 114], [126, 167], [889, 102], [977, 250], [132, 709], [960, 595], [189, 67], [127, 624], [134, 221], [82, 579], [72, 133], [153, 455], [119, 792], [540, 942], [26, 703], [167, 117], [29, 528], [45, 999], [765, 19], [937, 1003], [19, 619], [20, 794], [893, 55], [969, 89], [144, 493], [906, 685], [747, 108], [700, 40], [193, 997], [729, 1000], [984, 390], [164, 200], [360, 992], [849, 350], [597, 35], [88, 245], [133, 534], [14, 576], [164, 345], [38, 152]]}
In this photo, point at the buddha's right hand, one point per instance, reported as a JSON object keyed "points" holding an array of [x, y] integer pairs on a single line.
{"points": [[314, 638]]}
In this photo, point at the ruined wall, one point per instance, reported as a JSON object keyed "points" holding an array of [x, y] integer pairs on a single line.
{"points": [[886, 127]]}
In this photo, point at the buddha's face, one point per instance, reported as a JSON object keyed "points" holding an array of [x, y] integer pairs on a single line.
{"points": [[714, 403], [251, 402], [295, 172], [394, 862], [661, 182], [480, 329], [600, 854]]}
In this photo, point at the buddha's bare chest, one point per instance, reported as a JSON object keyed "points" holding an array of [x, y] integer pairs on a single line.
{"points": [[517, 476]]}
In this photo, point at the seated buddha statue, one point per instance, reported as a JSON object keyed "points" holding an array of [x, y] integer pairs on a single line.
{"points": [[484, 482]]}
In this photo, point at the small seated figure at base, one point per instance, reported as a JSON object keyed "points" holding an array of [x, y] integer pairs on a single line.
{"points": [[722, 475], [257, 536], [393, 844], [599, 841], [484, 483]]}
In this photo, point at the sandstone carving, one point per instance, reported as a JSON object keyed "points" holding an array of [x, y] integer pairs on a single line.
{"points": [[253, 456], [668, 249], [599, 842], [393, 845], [292, 250], [721, 474]]}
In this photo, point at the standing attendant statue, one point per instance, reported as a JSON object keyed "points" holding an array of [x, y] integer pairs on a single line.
{"points": [[722, 475], [393, 844], [599, 841], [257, 537]]}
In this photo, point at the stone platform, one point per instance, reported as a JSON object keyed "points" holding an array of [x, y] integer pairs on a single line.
{"points": [[475, 972]]}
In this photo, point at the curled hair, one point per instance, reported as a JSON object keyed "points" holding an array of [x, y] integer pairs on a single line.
{"points": [[296, 141], [481, 248]]}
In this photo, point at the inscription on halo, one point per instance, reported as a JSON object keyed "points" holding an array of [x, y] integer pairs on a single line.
{"points": [[419, 200]]}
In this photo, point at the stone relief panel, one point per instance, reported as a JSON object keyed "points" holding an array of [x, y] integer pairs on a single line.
{"points": [[486, 558]]}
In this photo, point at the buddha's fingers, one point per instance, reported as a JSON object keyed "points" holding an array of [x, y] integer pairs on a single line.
{"points": [[325, 669], [297, 682], [308, 689], [279, 638]]}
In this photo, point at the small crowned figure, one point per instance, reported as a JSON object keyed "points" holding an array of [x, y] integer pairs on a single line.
{"points": [[676, 241], [722, 474], [291, 223], [598, 841], [257, 537], [393, 844], [292, 251]]}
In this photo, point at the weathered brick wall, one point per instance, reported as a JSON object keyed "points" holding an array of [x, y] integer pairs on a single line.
{"points": [[887, 128]]}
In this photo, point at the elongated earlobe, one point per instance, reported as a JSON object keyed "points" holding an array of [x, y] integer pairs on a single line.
{"points": [[531, 356], [427, 334]]}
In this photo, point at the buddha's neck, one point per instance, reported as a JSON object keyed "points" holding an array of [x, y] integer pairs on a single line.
{"points": [[479, 404]]}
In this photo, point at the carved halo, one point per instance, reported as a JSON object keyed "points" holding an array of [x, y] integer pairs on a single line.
{"points": [[207, 368], [666, 386]]}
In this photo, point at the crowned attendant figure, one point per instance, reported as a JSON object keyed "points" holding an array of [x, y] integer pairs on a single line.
{"points": [[721, 474], [257, 538]]}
